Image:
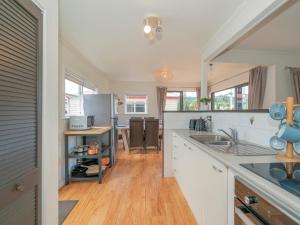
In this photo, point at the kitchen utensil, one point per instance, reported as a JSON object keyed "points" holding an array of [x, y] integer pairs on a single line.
{"points": [[289, 133], [296, 173], [93, 149], [278, 111], [277, 143], [80, 148], [105, 161], [192, 124], [297, 124], [297, 115], [297, 147], [278, 171]]}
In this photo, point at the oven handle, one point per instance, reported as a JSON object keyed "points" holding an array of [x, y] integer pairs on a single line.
{"points": [[246, 220]]}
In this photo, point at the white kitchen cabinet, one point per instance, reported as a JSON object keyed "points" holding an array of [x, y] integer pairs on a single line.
{"points": [[203, 181]]}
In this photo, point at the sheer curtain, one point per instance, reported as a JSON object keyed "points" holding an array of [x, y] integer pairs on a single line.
{"points": [[198, 92], [257, 86], [295, 76], [161, 100]]}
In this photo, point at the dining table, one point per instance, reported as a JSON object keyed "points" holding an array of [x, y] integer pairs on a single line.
{"points": [[124, 130]]}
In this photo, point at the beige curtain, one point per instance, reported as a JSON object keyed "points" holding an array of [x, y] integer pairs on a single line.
{"points": [[257, 87], [161, 100], [295, 75], [198, 92]]}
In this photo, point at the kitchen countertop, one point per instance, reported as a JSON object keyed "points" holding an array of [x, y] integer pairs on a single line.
{"points": [[285, 200], [93, 131]]}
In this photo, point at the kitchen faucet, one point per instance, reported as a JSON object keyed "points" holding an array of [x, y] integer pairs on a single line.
{"points": [[233, 136]]}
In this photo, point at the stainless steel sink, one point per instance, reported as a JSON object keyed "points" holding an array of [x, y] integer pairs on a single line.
{"points": [[211, 139], [226, 145]]}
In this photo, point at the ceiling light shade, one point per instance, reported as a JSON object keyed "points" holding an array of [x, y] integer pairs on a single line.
{"points": [[153, 28], [164, 75], [147, 29]]}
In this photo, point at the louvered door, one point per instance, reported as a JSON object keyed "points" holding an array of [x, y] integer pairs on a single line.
{"points": [[20, 112]]}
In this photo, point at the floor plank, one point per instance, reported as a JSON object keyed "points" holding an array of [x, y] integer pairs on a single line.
{"points": [[133, 193]]}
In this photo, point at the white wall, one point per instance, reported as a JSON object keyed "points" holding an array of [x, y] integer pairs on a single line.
{"points": [[50, 112], [72, 60], [121, 88], [260, 132]]}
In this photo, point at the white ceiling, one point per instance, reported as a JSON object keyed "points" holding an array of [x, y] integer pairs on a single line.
{"points": [[110, 34], [281, 33]]}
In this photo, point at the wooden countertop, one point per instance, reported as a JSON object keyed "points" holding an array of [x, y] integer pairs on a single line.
{"points": [[93, 131]]}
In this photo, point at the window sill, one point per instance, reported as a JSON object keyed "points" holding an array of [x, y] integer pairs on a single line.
{"points": [[136, 113]]}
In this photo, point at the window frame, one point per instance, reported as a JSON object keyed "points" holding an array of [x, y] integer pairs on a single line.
{"points": [[81, 85], [180, 102], [212, 95], [136, 113]]}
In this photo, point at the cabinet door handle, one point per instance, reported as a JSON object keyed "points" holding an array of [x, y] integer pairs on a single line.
{"points": [[174, 158], [217, 169], [185, 145], [190, 149], [175, 146], [19, 187]]}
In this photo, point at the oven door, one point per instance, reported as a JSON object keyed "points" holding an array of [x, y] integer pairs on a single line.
{"points": [[244, 216]]}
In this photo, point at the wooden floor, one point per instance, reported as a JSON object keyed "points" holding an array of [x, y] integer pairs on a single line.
{"points": [[133, 193]]}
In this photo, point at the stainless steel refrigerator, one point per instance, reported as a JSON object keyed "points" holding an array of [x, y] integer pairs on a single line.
{"points": [[104, 108]]}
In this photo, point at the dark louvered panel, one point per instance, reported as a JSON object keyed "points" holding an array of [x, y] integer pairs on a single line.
{"points": [[20, 140], [21, 211]]}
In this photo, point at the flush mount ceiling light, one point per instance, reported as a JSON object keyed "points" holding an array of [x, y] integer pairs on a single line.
{"points": [[164, 75], [153, 28]]}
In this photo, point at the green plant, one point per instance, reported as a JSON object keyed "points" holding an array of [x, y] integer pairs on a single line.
{"points": [[205, 101]]}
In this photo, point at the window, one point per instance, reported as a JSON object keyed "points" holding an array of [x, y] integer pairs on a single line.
{"points": [[173, 101], [235, 98], [181, 101], [189, 101], [74, 97], [136, 104]]}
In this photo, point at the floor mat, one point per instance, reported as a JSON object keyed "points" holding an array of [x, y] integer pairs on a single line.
{"points": [[64, 209]]}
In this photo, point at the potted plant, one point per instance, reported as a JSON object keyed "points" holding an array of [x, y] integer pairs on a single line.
{"points": [[206, 102]]}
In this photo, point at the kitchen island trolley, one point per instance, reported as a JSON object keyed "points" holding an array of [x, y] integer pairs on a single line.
{"points": [[96, 133]]}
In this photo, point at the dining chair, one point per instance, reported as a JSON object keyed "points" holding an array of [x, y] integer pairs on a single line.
{"points": [[136, 133], [152, 133]]}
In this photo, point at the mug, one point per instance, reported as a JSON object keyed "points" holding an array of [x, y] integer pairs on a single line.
{"points": [[278, 171], [277, 143], [297, 124], [297, 115], [289, 133], [296, 174], [297, 147], [277, 111]]}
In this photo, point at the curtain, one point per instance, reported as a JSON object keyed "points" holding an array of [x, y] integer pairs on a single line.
{"points": [[198, 92], [161, 100], [295, 76], [257, 87]]}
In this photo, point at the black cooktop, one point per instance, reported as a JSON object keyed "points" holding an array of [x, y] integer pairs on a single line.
{"points": [[285, 175]]}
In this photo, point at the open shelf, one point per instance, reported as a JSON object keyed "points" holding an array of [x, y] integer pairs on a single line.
{"points": [[85, 155], [106, 151], [89, 178]]}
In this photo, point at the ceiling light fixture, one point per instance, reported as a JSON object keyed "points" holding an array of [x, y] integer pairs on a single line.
{"points": [[164, 75], [153, 28]]}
